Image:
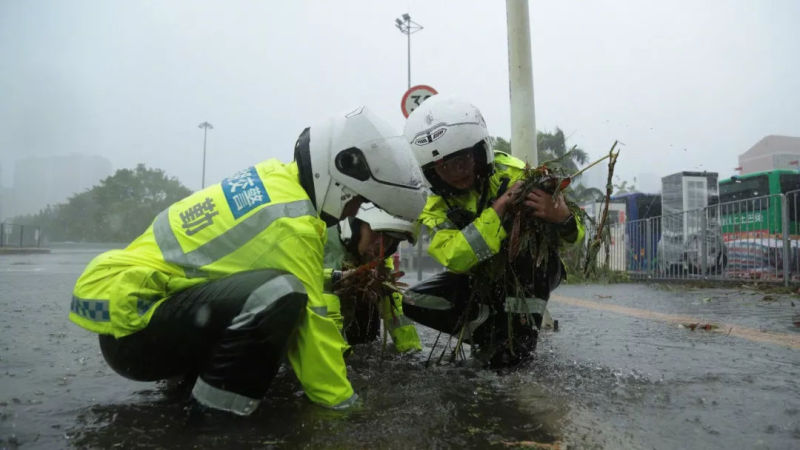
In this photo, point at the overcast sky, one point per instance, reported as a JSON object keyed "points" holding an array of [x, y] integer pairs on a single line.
{"points": [[685, 85]]}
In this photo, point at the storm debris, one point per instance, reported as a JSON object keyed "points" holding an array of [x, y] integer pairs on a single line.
{"points": [[369, 282], [699, 326], [534, 445]]}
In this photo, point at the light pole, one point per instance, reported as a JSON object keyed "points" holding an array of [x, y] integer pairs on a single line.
{"points": [[205, 126], [407, 27]]}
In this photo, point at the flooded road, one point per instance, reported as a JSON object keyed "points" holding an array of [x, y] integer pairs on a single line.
{"points": [[625, 370]]}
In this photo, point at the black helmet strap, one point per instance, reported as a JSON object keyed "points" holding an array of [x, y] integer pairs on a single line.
{"points": [[302, 155]]}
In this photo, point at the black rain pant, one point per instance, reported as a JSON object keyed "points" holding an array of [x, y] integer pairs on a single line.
{"points": [[233, 332]]}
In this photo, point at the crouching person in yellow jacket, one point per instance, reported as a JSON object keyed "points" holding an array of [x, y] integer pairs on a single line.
{"points": [[472, 187], [372, 234], [228, 281]]}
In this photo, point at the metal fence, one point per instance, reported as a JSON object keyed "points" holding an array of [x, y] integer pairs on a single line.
{"points": [[751, 239], [756, 239], [19, 236]]}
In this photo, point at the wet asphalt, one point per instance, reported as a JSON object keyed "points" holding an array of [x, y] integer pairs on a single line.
{"points": [[632, 366]]}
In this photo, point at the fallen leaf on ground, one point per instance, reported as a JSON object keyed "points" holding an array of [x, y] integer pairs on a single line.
{"points": [[533, 444], [700, 326]]}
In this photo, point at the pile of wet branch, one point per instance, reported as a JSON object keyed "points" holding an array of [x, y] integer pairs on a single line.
{"points": [[531, 249], [527, 256], [361, 292], [369, 283]]}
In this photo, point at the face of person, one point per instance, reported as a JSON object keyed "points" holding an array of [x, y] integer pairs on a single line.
{"points": [[370, 245], [458, 171]]}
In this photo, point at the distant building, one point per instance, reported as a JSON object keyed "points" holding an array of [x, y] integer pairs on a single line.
{"points": [[771, 152], [5, 202], [42, 181], [5, 197]]}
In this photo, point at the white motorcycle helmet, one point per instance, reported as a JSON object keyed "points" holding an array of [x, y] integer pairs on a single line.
{"points": [[356, 153], [441, 128], [380, 221]]}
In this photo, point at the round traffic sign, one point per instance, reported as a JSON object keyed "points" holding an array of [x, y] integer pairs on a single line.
{"points": [[414, 97]]}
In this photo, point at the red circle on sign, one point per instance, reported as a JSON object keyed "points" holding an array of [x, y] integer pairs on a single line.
{"points": [[420, 88]]}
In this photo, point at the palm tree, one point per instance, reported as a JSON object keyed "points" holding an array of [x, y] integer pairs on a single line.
{"points": [[582, 195], [552, 149], [553, 146]]}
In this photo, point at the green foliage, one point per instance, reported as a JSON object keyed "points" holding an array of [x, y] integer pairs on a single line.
{"points": [[501, 145], [553, 152], [551, 148], [120, 208], [582, 195]]}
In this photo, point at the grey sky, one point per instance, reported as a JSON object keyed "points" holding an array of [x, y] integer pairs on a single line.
{"points": [[132, 80]]}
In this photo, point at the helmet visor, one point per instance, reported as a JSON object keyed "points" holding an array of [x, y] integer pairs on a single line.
{"points": [[391, 162], [385, 172]]}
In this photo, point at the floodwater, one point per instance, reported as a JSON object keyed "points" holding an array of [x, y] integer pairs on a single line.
{"points": [[625, 370]]}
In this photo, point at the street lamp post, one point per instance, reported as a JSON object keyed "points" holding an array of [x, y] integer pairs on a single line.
{"points": [[205, 126], [407, 27]]}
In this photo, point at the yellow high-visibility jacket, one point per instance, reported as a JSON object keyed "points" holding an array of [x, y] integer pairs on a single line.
{"points": [[260, 218], [461, 249], [400, 328]]}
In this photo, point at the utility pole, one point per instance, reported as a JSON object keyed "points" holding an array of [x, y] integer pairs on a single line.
{"points": [[205, 126], [407, 27], [520, 75]]}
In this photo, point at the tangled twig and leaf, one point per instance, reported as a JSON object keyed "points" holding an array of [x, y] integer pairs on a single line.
{"points": [[530, 238], [601, 236], [370, 282]]}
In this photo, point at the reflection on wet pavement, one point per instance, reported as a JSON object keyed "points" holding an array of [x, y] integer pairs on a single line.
{"points": [[607, 379]]}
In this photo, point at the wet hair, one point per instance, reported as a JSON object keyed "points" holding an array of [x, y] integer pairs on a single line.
{"points": [[483, 170]]}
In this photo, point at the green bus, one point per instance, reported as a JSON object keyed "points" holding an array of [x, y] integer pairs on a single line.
{"points": [[750, 204]]}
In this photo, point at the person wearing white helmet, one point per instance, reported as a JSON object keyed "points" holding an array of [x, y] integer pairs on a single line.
{"points": [[473, 186], [371, 235], [227, 283]]}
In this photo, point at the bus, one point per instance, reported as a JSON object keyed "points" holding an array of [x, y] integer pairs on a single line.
{"points": [[750, 204], [752, 221]]}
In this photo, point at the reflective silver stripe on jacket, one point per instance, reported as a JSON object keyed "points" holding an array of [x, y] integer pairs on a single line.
{"points": [[216, 398], [426, 301], [264, 296], [320, 310], [446, 225], [94, 310], [227, 242], [476, 241], [530, 305]]}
